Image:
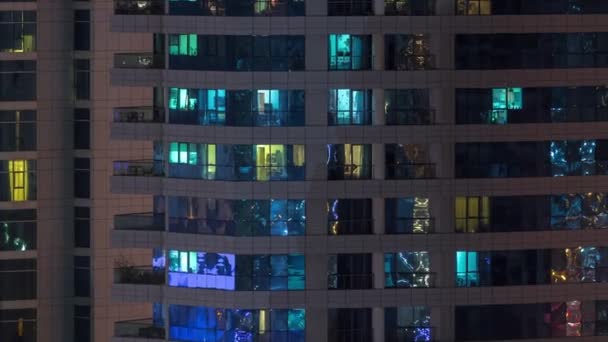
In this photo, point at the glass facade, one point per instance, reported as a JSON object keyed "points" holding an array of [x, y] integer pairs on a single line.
{"points": [[222, 271], [17, 279], [15, 322], [275, 217], [18, 230], [236, 162], [407, 269], [350, 7], [349, 216], [17, 130], [532, 159], [510, 7], [349, 161], [478, 214], [237, 8], [17, 80], [409, 7], [17, 180], [191, 323], [408, 107], [407, 215], [408, 52], [350, 52], [236, 53], [349, 324], [408, 324], [17, 31], [410, 161], [531, 50], [246, 108], [531, 105], [349, 272], [350, 107]]}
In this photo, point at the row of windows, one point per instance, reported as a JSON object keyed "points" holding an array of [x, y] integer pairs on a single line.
{"points": [[473, 214], [531, 159], [360, 7], [190, 323], [274, 107], [531, 267]]}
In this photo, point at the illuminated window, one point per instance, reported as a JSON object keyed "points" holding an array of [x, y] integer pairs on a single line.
{"points": [[474, 7], [503, 100], [349, 161], [349, 52], [18, 179], [183, 44], [467, 270], [472, 214], [183, 153], [407, 269], [407, 215], [349, 107], [17, 31]]}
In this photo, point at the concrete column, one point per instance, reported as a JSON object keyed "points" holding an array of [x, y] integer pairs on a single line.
{"points": [[443, 319], [378, 269], [378, 214], [379, 114], [316, 162], [316, 101], [378, 48], [445, 7], [316, 8], [378, 161], [316, 51], [379, 7], [316, 324], [316, 271], [316, 217], [378, 324]]}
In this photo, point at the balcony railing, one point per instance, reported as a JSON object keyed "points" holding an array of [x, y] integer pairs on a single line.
{"points": [[410, 62], [139, 60], [410, 333], [146, 275], [409, 279], [144, 168], [141, 328], [139, 7], [139, 114], [234, 227], [410, 116], [350, 227], [350, 281], [411, 171], [410, 225], [140, 221]]}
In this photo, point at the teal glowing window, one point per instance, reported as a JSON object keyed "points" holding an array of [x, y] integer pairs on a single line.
{"points": [[349, 52], [467, 270], [349, 107], [183, 153], [503, 100], [183, 99], [183, 45]]}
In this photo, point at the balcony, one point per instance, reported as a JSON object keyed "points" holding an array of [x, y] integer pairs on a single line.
{"points": [[144, 275], [409, 7], [350, 281], [409, 280], [142, 168], [139, 114], [411, 171], [139, 7], [410, 225], [141, 328], [139, 60], [410, 116], [140, 221]]}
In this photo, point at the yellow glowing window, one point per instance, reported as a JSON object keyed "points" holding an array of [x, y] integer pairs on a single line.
{"points": [[18, 180], [471, 213], [211, 160]]}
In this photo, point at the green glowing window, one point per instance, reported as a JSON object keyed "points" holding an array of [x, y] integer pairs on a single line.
{"points": [[504, 99], [183, 153], [183, 45], [467, 271], [183, 99]]}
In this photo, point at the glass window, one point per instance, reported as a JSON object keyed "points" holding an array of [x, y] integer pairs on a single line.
{"points": [[408, 107], [409, 7], [349, 271], [349, 216], [407, 269], [82, 227], [408, 215], [348, 161], [183, 44], [82, 323], [408, 52], [82, 79], [409, 161], [467, 270], [474, 7], [18, 230], [407, 323], [18, 130], [82, 276], [349, 52], [18, 279], [17, 180], [17, 80], [82, 30], [350, 107], [472, 214], [349, 324], [350, 7], [18, 321], [17, 31], [82, 128], [82, 177]]}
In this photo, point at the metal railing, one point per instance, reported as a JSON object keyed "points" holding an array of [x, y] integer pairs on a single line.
{"points": [[410, 116], [349, 172], [350, 227], [139, 6], [351, 335], [143, 168], [140, 221], [350, 117], [237, 118], [409, 225], [410, 334], [139, 60], [410, 62], [207, 226], [143, 328], [350, 281], [237, 172], [146, 275], [410, 279], [349, 7], [409, 7], [509, 169], [410, 171], [139, 114]]}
